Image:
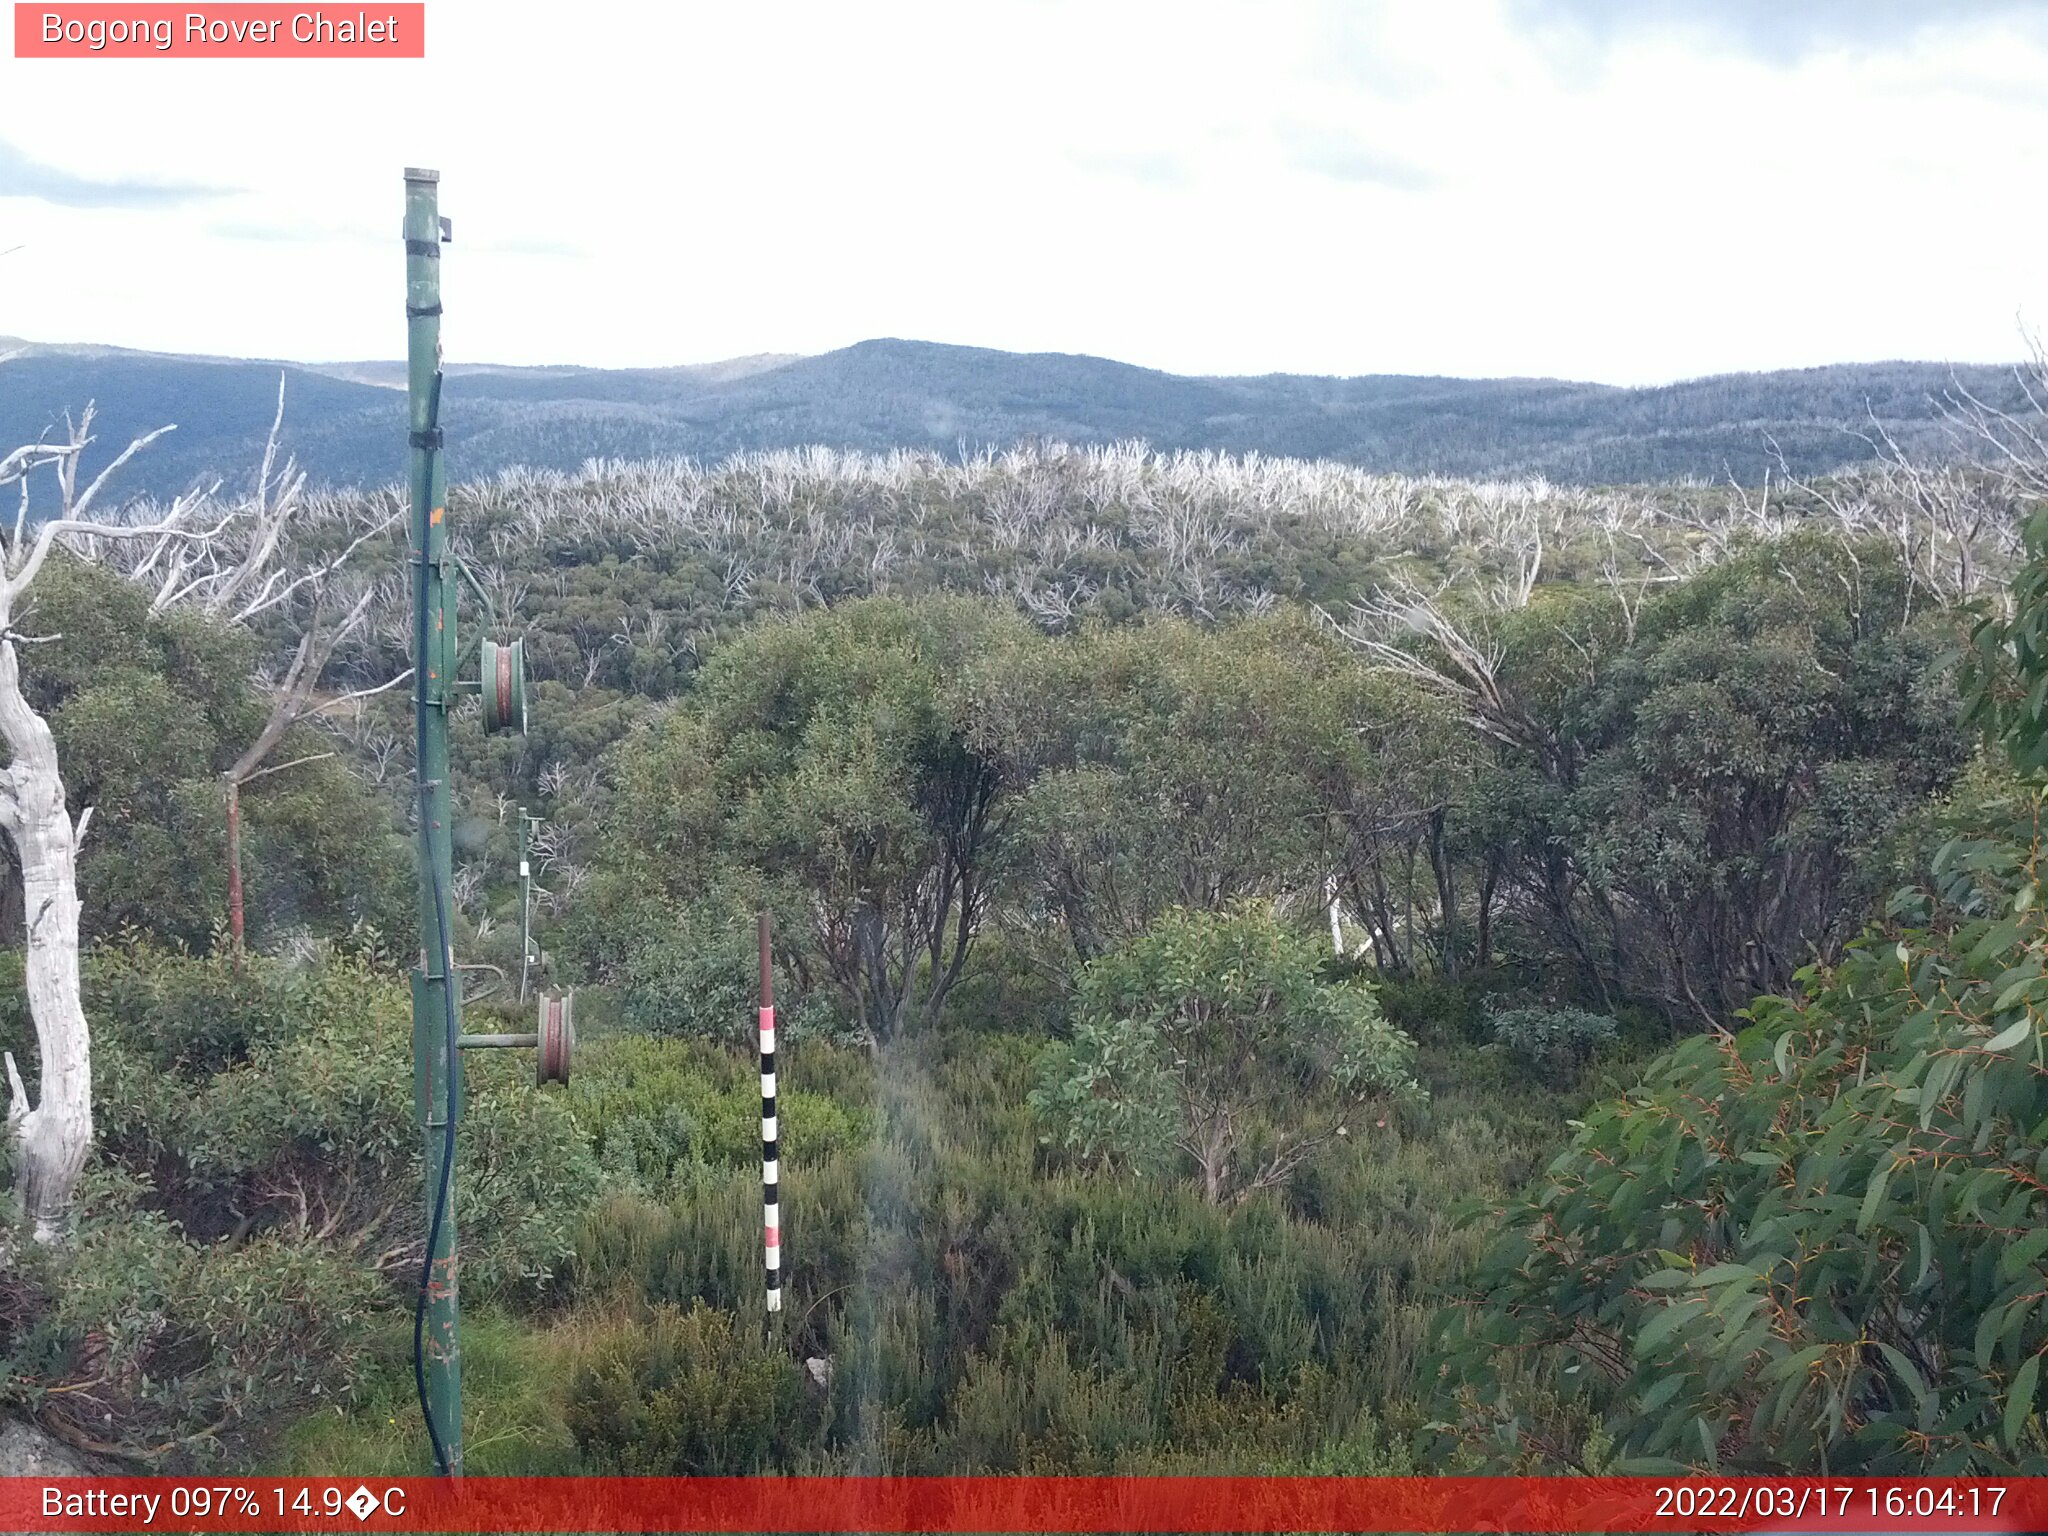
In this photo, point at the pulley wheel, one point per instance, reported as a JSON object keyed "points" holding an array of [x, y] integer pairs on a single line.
{"points": [[504, 686], [557, 1037]]}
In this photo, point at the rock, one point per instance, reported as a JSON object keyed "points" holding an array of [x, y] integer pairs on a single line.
{"points": [[819, 1370], [26, 1451]]}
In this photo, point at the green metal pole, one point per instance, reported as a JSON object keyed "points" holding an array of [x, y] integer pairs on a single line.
{"points": [[436, 1000]]}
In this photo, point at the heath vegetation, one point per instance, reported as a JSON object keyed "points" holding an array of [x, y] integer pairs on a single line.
{"points": [[1284, 968]]}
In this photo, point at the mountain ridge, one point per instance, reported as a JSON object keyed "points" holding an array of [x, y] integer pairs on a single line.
{"points": [[344, 419]]}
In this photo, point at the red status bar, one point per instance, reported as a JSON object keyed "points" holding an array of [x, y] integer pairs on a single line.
{"points": [[1021, 1504]]}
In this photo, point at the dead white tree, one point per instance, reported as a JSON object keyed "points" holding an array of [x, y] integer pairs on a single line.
{"points": [[249, 570], [295, 697], [233, 570], [53, 1135], [373, 749], [1403, 630], [1954, 520]]}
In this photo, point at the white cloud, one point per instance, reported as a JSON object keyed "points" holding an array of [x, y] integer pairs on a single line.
{"points": [[1470, 186]]}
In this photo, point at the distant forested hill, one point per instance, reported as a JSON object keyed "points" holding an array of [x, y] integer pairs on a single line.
{"points": [[344, 420]]}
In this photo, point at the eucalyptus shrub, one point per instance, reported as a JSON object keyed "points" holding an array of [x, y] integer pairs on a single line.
{"points": [[1814, 1245], [1557, 1042], [1819, 1244], [254, 1204], [695, 975], [1200, 1041], [132, 1341], [267, 1099]]}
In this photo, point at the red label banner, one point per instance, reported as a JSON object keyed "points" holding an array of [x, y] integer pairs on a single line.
{"points": [[232, 31], [1021, 1504]]}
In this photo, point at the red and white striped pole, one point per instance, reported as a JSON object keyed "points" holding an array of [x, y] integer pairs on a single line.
{"points": [[771, 1172]]}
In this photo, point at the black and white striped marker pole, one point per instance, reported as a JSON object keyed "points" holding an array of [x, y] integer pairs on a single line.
{"points": [[771, 1172]]}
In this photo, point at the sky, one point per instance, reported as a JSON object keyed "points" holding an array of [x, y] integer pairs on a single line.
{"points": [[1625, 191]]}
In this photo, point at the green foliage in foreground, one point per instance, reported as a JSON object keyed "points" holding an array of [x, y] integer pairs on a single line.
{"points": [[662, 1114], [257, 1202], [278, 1099], [695, 1391], [982, 1308], [135, 1341], [1818, 1244], [513, 1406], [971, 1306]]}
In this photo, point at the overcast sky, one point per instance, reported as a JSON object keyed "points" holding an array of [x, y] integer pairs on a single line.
{"points": [[1619, 190]]}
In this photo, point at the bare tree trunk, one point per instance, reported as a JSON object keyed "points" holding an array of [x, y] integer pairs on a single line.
{"points": [[1408, 906], [292, 702], [1383, 918], [1488, 883], [55, 1136], [1212, 1155], [1446, 893], [235, 926]]}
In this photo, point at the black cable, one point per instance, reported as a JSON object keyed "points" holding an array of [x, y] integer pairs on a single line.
{"points": [[447, 953]]}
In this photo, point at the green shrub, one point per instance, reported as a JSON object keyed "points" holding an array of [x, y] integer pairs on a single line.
{"points": [[513, 1404], [1558, 1042], [690, 971], [1212, 1042], [655, 1111], [167, 1351], [255, 1203], [698, 977], [321, 849], [1434, 1009], [276, 1100], [1034, 1407], [686, 1394], [1007, 992], [1816, 1244], [945, 1263]]}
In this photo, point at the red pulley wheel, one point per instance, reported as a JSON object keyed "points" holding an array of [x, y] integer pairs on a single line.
{"points": [[557, 1038], [504, 686]]}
